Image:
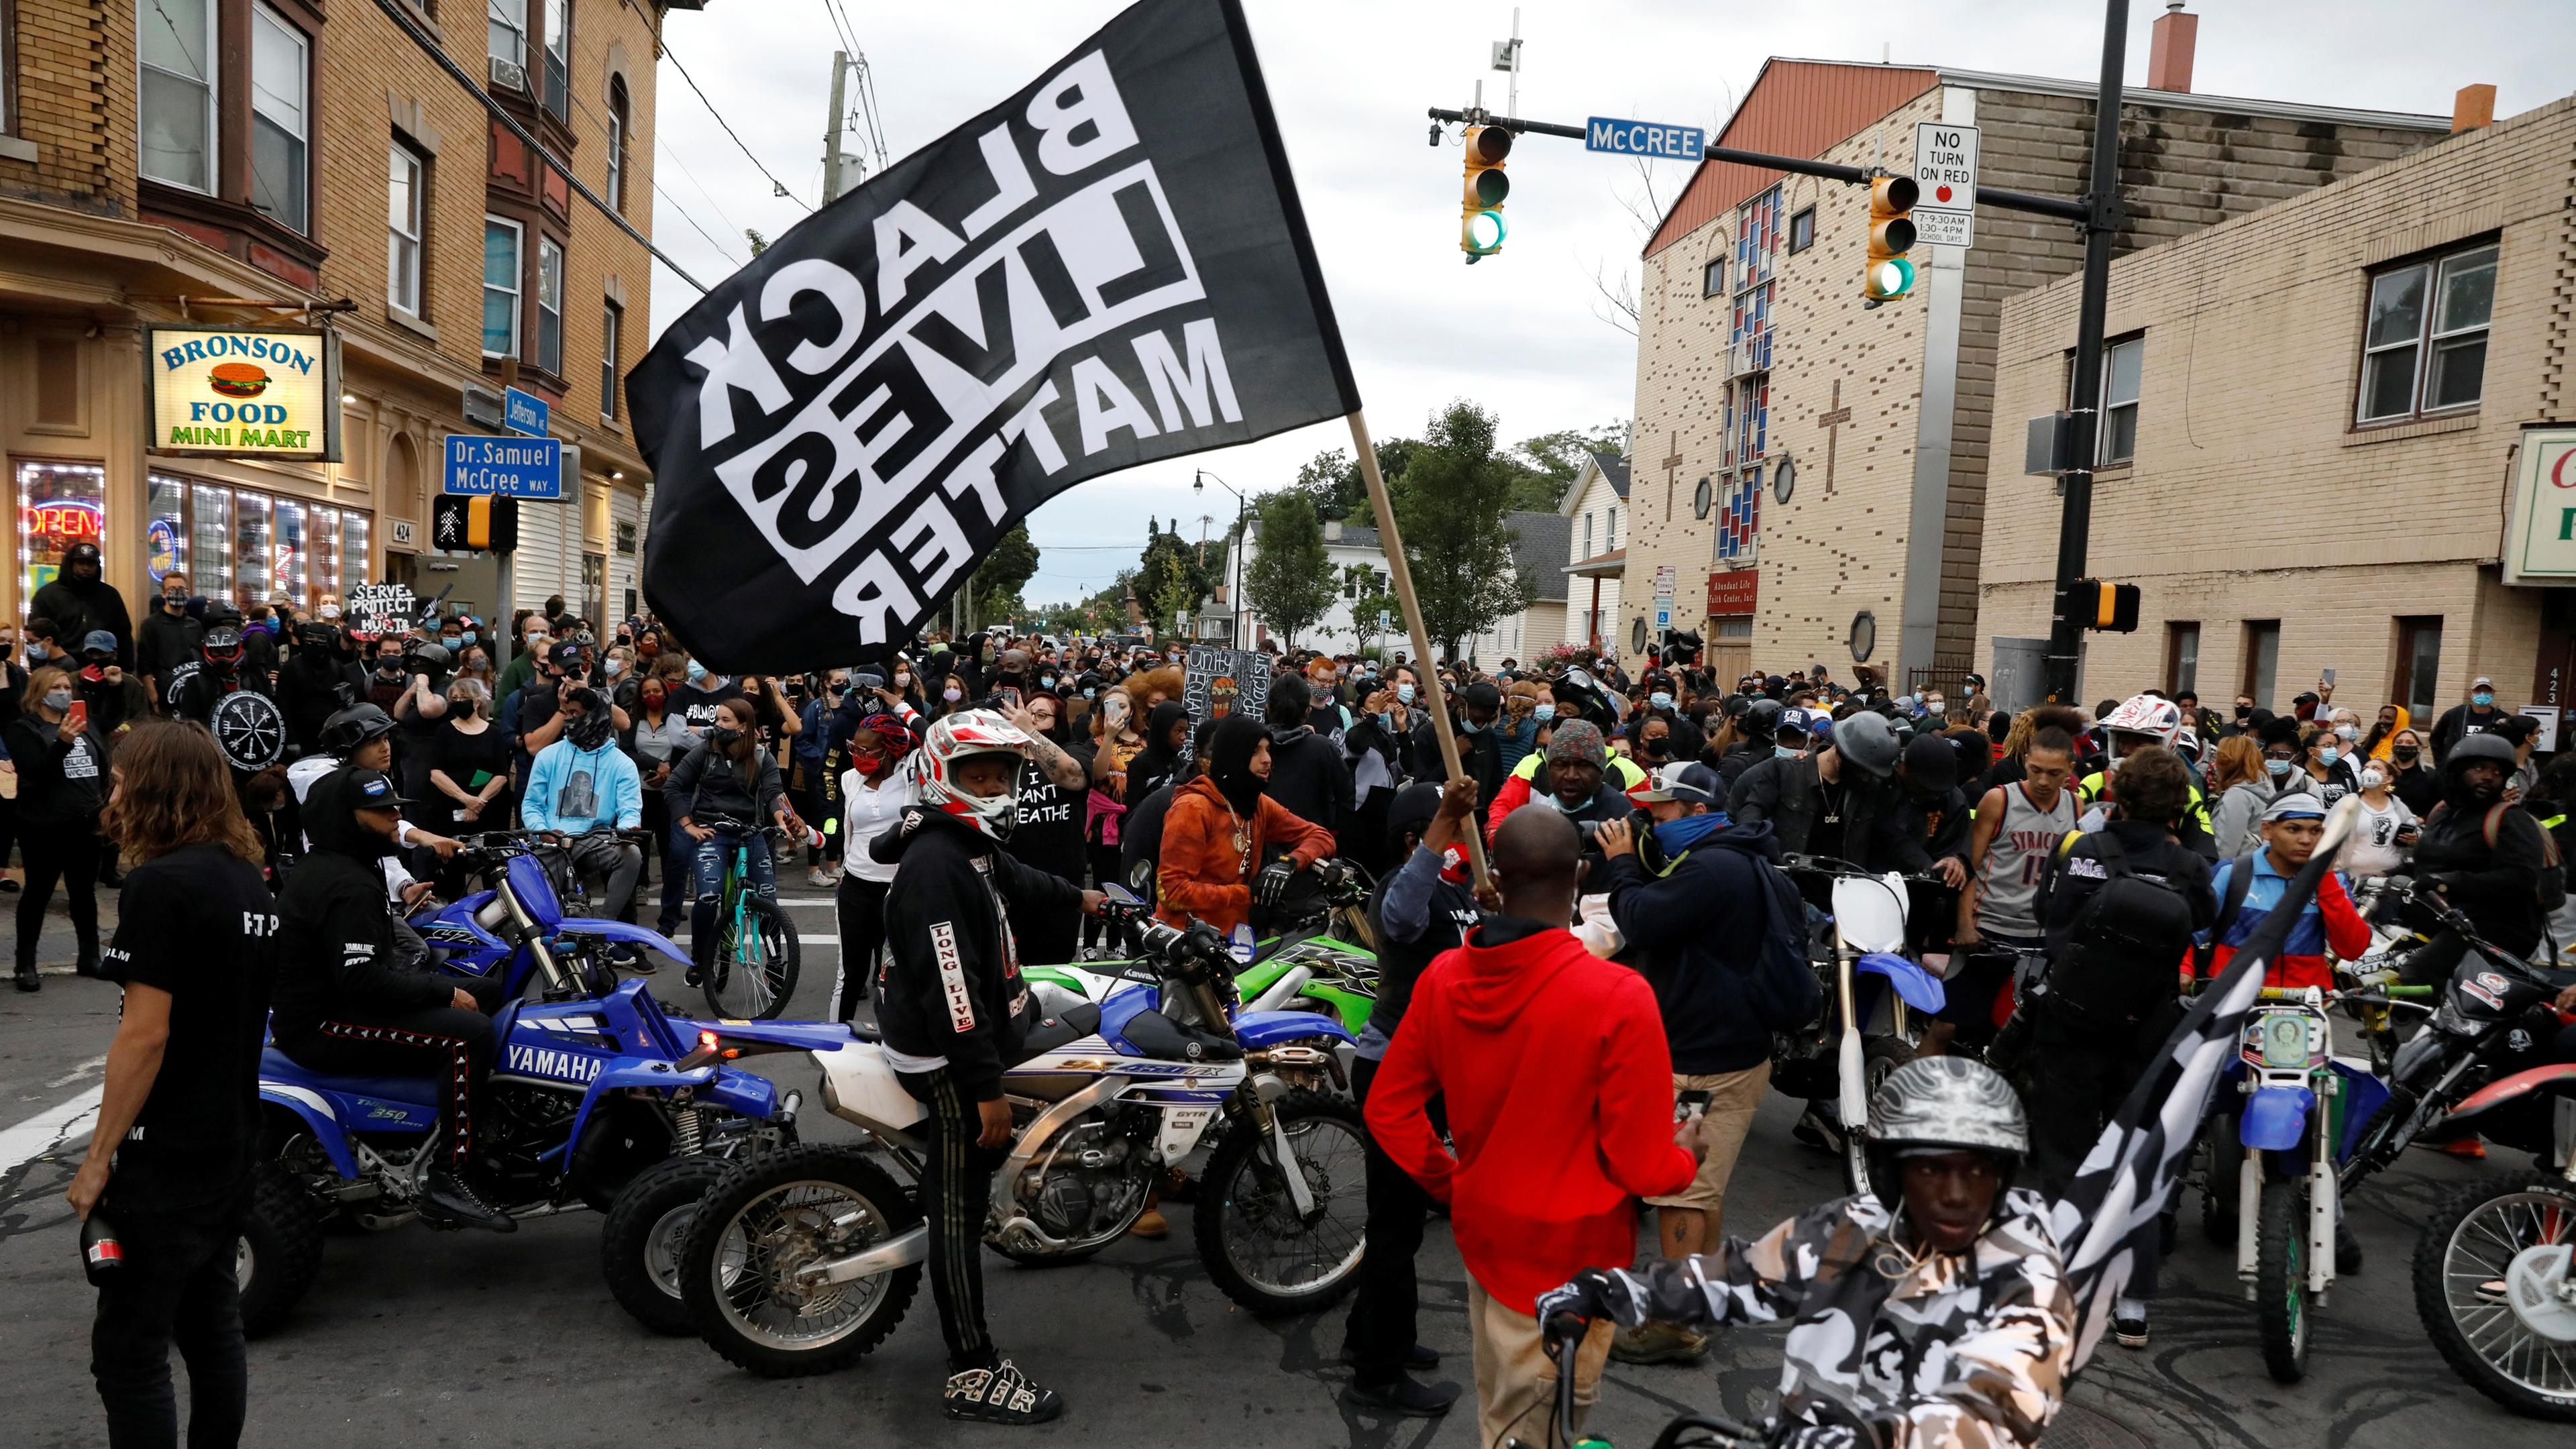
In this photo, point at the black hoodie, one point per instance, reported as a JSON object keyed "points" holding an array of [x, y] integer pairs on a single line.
{"points": [[1307, 775], [951, 983], [2496, 887], [335, 951]]}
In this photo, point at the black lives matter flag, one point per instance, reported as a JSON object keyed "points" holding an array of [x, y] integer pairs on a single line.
{"points": [[1107, 269]]}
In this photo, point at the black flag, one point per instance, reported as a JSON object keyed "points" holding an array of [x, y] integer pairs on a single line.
{"points": [[1109, 268]]}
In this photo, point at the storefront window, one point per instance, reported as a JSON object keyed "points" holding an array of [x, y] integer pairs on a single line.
{"points": [[253, 562], [210, 535], [355, 566], [165, 536], [59, 504], [322, 551], [290, 566]]}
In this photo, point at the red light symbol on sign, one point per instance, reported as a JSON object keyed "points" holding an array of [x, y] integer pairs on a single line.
{"points": [[1943, 193]]}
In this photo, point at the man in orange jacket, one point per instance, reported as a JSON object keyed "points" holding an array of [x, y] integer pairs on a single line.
{"points": [[1217, 829], [1559, 1096]]}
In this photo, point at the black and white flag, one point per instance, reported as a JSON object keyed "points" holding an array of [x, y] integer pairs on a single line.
{"points": [[1109, 268], [2106, 1223]]}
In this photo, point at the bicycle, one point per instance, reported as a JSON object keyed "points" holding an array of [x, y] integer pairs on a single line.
{"points": [[757, 956]]}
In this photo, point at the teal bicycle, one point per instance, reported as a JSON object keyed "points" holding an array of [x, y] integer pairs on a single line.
{"points": [[757, 957]]}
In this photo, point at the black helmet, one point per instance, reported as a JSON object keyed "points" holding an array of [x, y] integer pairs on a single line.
{"points": [[343, 732]]}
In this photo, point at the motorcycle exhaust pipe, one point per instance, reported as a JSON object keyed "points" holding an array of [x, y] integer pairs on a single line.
{"points": [[901, 1251]]}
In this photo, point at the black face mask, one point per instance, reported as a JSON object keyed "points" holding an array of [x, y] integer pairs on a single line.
{"points": [[725, 738], [2244, 711], [591, 731], [2405, 753], [1659, 746]]}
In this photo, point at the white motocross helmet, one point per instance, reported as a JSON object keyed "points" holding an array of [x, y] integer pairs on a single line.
{"points": [[950, 741], [2159, 721]]}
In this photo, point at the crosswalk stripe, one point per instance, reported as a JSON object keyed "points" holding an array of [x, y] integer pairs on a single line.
{"points": [[58, 1125]]}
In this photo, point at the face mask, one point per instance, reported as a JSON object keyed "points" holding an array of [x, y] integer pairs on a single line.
{"points": [[2277, 767], [2346, 733], [2244, 711], [1046, 681], [1787, 752], [1086, 692], [1404, 694], [1543, 712], [952, 695], [616, 667], [2373, 779], [2328, 754], [1659, 746], [724, 736], [1660, 700], [2483, 698], [468, 637], [174, 602], [2405, 753], [903, 681], [1470, 726], [652, 701], [58, 699], [697, 671], [1937, 707]]}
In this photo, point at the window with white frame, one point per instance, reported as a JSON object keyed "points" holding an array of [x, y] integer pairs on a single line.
{"points": [[2424, 347], [506, 27], [559, 56], [500, 287], [550, 300], [615, 191], [175, 44], [1587, 533], [280, 150], [612, 322], [2123, 364], [406, 200]]}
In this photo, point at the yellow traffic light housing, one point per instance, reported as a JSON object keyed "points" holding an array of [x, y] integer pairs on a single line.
{"points": [[1480, 217], [1891, 236]]}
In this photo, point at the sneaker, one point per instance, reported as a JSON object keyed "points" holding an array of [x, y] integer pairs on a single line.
{"points": [[1152, 1225], [8, 887], [2131, 1332], [820, 877], [1417, 1358], [1656, 1341], [2347, 1252], [447, 1198], [999, 1396], [28, 980], [1404, 1396]]}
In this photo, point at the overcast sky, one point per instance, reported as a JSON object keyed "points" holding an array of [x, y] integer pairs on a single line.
{"points": [[1520, 332]]}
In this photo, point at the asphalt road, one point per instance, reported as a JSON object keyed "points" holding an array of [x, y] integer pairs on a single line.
{"points": [[420, 1338]]}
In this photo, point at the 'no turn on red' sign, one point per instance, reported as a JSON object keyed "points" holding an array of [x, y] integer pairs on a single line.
{"points": [[1945, 168]]}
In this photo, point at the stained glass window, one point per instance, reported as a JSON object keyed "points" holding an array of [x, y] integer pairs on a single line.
{"points": [[1739, 516]]}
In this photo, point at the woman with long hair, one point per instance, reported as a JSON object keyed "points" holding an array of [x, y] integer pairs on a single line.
{"points": [[662, 740], [874, 791], [62, 767], [1117, 738], [172, 1161], [2240, 789], [727, 783], [2412, 775]]}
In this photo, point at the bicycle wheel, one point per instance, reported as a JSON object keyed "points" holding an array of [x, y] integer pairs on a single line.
{"points": [[756, 962]]}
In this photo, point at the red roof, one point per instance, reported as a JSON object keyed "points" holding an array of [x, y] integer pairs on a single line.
{"points": [[1795, 108]]}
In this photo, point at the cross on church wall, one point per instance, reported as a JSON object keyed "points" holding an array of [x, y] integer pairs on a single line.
{"points": [[1832, 420], [1672, 462]]}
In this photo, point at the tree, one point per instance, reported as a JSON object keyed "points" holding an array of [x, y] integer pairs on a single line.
{"points": [[1560, 455], [1451, 499], [1332, 479], [995, 585], [1288, 581]]}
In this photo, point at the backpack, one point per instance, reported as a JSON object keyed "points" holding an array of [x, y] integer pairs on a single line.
{"points": [[2120, 958], [1782, 985]]}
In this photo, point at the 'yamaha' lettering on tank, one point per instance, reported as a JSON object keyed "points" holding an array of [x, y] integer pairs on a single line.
{"points": [[562, 1066]]}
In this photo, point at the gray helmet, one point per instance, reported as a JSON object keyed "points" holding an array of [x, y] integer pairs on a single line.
{"points": [[1949, 1102], [2482, 746], [349, 728], [1869, 741]]}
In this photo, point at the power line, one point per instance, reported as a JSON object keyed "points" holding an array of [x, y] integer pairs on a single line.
{"points": [[674, 57], [693, 224]]}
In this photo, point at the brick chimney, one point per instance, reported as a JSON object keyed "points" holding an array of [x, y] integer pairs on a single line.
{"points": [[2472, 108], [2169, 52]]}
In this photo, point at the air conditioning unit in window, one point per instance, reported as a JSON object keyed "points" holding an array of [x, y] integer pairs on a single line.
{"points": [[509, 73]]}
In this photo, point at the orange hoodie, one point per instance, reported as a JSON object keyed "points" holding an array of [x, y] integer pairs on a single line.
{"points": [[1560, 1098], [1201, 870]]}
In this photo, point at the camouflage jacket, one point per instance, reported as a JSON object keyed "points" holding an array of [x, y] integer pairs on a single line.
{"points": [[1936, 1352]]}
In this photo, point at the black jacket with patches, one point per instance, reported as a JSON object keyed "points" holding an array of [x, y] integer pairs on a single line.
{"points": [[951, 984], [335, 950]]}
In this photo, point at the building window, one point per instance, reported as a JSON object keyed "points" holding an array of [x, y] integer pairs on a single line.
{"points": [[559, 57], [246, 547], [59, 505], [550, 281], [506, 25], [2424, 349], [1712, 278], [2122, 364], [406, 200], [1802, 230], [2182, 658], [1587, 533], [1614, 525], [612, 323], [615, 191], [500, 287], [2262, 659], [279, 154], [2419, 665], [177, 49]]}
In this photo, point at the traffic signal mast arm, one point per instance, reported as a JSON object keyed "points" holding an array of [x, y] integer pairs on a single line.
{"points": [[2063, 210]]}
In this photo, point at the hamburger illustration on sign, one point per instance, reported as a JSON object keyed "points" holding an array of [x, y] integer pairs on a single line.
{"points": [[237, 379], [242, 392]]}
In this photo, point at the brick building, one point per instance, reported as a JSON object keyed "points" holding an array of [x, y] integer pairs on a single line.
{"points": [[156, 154], [1838, 454], [2333, 395]]}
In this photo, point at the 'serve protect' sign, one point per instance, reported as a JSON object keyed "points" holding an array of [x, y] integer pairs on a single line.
{"points": [[239, 392]]}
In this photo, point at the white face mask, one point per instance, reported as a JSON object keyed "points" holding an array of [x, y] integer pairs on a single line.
{"points": [[2346, 732], [2372, 779]]}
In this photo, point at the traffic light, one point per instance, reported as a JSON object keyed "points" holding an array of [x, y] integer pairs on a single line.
{"points": [[1891, 235], [2094, 604], [1480, 217], [478, 525]]}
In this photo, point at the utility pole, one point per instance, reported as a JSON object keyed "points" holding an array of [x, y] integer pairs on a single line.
{"points": [[832, 133]]}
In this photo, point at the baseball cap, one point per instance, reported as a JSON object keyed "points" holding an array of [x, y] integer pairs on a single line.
{"points": [[100, 641], [2481, 682], [1799, 721], [1692, 784], [373, 790], [1931, 764]]}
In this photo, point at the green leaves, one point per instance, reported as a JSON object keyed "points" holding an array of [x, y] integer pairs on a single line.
{"points": [[1288, 579]]}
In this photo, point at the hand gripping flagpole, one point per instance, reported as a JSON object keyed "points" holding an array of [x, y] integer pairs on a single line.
{"points": [[1400, 574]]}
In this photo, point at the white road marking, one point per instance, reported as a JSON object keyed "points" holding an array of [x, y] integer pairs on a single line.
{"points": [[57, 1126], [78, 1072]]}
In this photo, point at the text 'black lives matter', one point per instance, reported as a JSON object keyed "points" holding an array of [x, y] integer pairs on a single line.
{"points": [[1108, 269]]}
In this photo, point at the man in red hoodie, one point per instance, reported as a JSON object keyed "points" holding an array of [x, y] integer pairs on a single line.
{"points": [[1560, 1099]]}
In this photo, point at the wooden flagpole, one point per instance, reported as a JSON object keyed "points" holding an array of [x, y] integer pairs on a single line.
{"points": [[1400, 574]]}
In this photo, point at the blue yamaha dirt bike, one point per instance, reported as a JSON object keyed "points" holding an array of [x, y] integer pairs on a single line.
{"points": [[517, 929], [600, 1099]]}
